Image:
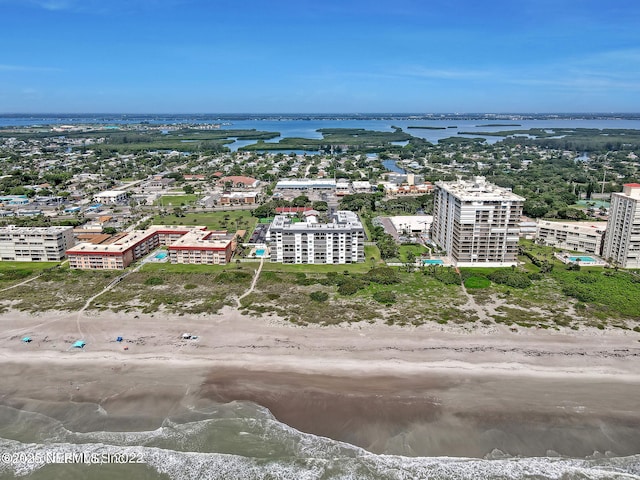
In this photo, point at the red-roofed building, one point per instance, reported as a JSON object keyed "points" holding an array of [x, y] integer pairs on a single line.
{"points": [[186, 245], [239, 181], [291, 210]]}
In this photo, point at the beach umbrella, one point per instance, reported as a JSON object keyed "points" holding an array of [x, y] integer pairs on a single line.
{"points": [[26, 339]]}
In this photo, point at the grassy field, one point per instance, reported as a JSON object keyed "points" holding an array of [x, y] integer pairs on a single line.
{"points": [[231, 220], [16, 272], [316, 269], [170, 201], [9, 269]]}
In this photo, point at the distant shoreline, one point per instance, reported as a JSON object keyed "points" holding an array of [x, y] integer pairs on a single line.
{"points": [[329, 116]]}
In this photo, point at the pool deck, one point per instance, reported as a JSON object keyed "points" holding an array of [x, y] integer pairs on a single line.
{"points": [[565, 257]]}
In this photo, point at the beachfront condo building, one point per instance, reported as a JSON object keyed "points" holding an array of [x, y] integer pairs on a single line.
{"points": [[35, 244], [622, 241], [184, 245], [583, 237], [477, 223], [341, 240]]}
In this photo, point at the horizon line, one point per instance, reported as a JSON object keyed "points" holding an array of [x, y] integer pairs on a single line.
{"points": [[328, 113]]}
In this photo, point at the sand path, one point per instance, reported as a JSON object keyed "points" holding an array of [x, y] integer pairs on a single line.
{"points": [[253, 284]]}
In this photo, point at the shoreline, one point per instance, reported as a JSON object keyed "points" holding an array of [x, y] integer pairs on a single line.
{"points": [[233, 339], [400, 390]]}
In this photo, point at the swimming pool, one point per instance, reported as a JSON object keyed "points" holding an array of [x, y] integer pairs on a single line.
{"points": [[433, 262], [161, 255], [582, 259], [260, 252]]}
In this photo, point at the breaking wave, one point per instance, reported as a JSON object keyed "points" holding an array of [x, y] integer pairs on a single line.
{"points": [[243, 440]]}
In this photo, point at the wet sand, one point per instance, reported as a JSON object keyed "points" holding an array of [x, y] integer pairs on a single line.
{"points": [[414, 391]]}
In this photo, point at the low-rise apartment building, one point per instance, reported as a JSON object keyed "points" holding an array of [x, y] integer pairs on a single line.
{"points": [[35, 244], [190, 243], [238, 198], [111, 197], [584, 237], [201, 247]]}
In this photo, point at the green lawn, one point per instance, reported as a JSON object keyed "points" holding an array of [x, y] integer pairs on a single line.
{"points": [[306, 268], [186, 268], [372, 251], [170, 201], [417, 251], [212, 220], [477, 282], [16, 272]]}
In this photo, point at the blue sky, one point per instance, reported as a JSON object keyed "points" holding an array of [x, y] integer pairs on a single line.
{"points": [[238, 56]]}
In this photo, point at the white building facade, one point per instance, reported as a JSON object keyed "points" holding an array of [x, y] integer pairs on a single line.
{"points": [[584, 237], [111, 197], [35, 244], [477, 223], [339, 242], [622, 241]]}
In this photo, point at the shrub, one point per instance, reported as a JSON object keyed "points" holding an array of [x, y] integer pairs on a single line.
{"points": [[447, 276], [190, 286], [270, 276], [579, 292], [16, 274], [319, 296], [586, 279], [348, 288], [154, 281], [385, 297], [383, 275], [233, 277], [511, 278], [301, 279]]}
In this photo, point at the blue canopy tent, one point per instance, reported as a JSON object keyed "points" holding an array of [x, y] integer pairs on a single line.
{"points": [[79, 344], [26, 339]]}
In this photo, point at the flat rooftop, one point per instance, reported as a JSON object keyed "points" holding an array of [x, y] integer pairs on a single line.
{"points": [[478, 189]]}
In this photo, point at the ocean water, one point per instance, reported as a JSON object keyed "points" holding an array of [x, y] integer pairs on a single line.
{"points": [[241, 440]]}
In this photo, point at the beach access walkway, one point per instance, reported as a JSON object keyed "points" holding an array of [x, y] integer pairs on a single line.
{"points": [[253, 283], [111, 284]]}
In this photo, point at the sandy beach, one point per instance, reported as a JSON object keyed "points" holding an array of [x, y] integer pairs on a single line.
{"points": [[429, 390]]}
